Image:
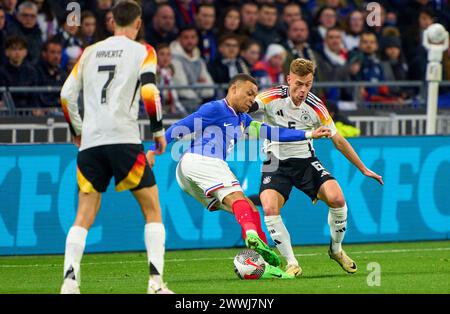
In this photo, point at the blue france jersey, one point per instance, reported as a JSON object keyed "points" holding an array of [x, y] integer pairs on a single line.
{"points": [[217, 128]]}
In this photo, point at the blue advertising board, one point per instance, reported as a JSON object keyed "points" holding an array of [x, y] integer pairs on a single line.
{"points": [[38, 199]]}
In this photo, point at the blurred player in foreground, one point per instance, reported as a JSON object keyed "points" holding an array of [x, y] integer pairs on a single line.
{"points": [[294, 106], [203, 172], [110, 74]]}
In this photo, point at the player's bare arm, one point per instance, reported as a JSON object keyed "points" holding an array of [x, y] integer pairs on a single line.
{"points": [[77, 140], [347, 150]]}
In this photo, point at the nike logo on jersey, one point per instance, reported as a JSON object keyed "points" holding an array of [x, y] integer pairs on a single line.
{"points": [[227, 124]]}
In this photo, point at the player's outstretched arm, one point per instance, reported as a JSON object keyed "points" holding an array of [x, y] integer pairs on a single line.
{"points": [[265, 131], [347, 150]]}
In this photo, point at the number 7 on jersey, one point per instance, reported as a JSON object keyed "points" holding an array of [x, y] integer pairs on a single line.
{"points": [[111, 69]]}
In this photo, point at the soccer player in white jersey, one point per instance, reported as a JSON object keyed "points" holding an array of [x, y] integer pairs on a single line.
{"points": [[294, 106], [111, 74]]}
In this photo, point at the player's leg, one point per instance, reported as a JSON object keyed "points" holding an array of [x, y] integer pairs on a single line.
{"points": [[330, 192], [93, 176], [154, 236], [275, 187], [132, 172], [250, 224], [272, 201], [88, 206]]}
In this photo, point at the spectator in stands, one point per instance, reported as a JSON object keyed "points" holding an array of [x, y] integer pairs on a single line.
{"points": [[333, 51], [297, 45], [10, 9], [230, 22], [394, 64], [162, 27], [87, 30], [50, 72], [416, 54], [2, 35], [250, 54], [165, 77], [190, 68], [341, 7], [266, 31], [249, 17], [184, 12], [228, 62], [47, 21], [325, 19], [440, 9], [371, 70], [105, 29], [27, 27], [18, 72], [354, 27], [272, 66], [67, 35], [334, 64], [204, 20], [102, 7], [291, 12], [391, 18]]}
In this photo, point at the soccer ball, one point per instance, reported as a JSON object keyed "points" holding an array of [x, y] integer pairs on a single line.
{"points": [[436, 34], [249, 265]]}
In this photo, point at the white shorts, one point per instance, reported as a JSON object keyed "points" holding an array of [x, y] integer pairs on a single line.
{"points": [[206, 179]]}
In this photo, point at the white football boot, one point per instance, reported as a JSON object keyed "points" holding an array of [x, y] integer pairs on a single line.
{"points": [[70, 286], [158, 288]]}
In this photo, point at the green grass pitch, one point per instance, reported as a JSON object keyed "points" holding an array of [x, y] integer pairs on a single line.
{"points": [[413, 267]]}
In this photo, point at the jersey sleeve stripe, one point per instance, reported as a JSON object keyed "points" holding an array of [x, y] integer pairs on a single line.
{"points": [[315, 97], [270, 95], [321, 112], [321, 107], [150, 60]]}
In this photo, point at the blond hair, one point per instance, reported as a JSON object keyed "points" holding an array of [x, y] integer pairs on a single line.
{"points": [[302, 67]]}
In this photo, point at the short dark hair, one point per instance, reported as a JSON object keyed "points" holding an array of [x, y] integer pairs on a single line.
{"points": [[206, 5], [126, 12], [87, 14], [227, 36], [334, 28], [242, 77], [51, 41], [186, 28], [16, 40], [162, 46], [268, 5]]}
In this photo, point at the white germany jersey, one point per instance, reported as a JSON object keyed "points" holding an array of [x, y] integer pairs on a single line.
{"points": [[279, 110], [108, 72]]}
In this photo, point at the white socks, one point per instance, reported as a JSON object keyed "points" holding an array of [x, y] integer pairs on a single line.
{"points": [[155, 239], [75, 243], [281, 237], [337, 220]]}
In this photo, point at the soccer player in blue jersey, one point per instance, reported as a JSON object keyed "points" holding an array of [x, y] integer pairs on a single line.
{"points": [[202, 171]]}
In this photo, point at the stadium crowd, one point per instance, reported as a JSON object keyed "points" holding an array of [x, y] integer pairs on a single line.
{"points": [[208, 42]]}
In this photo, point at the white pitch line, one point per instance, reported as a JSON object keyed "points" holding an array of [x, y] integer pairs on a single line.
{"points": [[180, 260]]}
